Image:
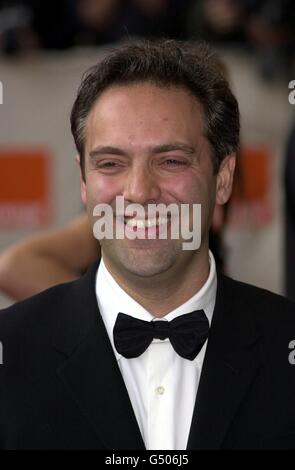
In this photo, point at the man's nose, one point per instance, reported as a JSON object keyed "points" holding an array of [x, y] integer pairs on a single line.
{"points": [[141, 186]]}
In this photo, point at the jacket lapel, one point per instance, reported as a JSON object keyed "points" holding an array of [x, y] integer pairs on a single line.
{"points": [[91, 373], [230, 365]]}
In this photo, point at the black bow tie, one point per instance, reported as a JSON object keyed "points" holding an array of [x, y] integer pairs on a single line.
{"points": [[186, 333]]}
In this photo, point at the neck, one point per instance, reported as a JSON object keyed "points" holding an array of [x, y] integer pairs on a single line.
{"points": [[162, 293]]}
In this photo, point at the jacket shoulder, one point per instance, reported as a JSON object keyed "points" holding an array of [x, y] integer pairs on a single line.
{"points": [[39, 304], [263, 303], [36, 316]]}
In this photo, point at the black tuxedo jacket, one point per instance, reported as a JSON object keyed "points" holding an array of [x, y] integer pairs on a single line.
{"points": [[61, 387]]}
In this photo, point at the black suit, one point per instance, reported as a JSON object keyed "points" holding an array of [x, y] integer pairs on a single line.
{"points": [[61, 387]]}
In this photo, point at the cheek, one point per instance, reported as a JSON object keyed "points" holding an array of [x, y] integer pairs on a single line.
{"points": [[102, 189], [189, 188]]}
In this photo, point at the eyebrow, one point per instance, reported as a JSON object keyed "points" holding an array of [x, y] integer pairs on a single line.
{"points": [[173, 146], [163, 148], [106, 150]]}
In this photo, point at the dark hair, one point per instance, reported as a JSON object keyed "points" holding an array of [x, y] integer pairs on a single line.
{"points": [[165, 63]]}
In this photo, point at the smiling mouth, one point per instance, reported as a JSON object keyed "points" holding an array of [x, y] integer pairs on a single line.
{"points": [[145, 223]]}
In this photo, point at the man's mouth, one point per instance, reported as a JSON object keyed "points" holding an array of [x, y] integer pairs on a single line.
{"points": [[145, 223]]}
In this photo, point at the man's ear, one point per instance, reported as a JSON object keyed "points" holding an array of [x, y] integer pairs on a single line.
{"points": [[82, 181], [225, 178]]}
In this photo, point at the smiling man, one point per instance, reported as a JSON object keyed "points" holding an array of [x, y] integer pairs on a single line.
{"points": [[152, 348], [157, 152]]}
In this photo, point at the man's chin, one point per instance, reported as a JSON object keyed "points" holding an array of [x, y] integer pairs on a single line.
{"points": [[145, 271], [142, 263]]}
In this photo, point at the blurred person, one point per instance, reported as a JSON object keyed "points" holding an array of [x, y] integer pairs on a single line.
{"points": [[151, 348], [217, 21], [266, 27], [46, 259], [16, 32], [131, 18], [98, 21], [270, 30], [154, 18], [30, 24], [97, 14]]}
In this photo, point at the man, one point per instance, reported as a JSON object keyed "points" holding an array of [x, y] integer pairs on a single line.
{"points": [[151, 348]]}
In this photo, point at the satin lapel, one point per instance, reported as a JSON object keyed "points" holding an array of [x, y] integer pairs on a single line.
{"points": [[230, 365], [91, 373]]}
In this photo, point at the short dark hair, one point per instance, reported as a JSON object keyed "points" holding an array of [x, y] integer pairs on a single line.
{"points": [[192, 66]]}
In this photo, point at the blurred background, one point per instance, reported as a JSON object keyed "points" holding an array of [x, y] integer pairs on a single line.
{"points": [[45, 47]]}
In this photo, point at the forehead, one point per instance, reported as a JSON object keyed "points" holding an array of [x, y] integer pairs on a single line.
{"points": [[145, 108]]}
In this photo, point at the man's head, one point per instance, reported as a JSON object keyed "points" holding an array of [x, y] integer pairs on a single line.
{"points": [[165, 63], [156, 123]]}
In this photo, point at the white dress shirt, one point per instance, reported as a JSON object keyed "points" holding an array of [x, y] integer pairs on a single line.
{"points": [[162, 386]]}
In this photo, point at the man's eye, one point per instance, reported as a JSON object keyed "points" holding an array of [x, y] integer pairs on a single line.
{"points": [[108, 164], [174, 162]]}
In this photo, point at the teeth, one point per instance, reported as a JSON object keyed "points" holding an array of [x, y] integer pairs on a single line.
{"points": [[146, 223]]}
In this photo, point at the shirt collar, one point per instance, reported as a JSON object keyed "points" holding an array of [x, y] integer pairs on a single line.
{"points": [[112, 299]]}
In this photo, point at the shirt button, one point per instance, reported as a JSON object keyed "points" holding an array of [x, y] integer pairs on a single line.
{"points": [[160, 390]]}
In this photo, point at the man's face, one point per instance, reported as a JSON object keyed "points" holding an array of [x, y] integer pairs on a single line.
{"points": [[148, 144]]}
